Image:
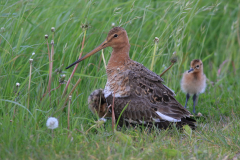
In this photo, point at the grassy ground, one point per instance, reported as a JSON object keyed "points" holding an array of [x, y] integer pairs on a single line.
{"points": [[204, 29]]}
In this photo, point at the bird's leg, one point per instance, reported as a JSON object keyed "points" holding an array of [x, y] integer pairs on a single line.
{"points": [[194, 102], [187, 97], [113, 114]]}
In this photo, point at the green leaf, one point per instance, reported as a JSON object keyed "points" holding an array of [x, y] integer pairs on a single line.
{"points": [[120, 115]]}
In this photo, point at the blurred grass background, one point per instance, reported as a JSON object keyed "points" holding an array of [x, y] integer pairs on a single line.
{"points": [[204, 29]]}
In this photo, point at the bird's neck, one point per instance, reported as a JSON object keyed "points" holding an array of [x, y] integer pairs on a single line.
{"points": [[197, 75], [119, 57]]}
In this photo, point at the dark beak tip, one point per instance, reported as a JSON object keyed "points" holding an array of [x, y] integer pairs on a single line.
{"points": [[69, 66], [101, 46], [190, 70], [74, 63]]}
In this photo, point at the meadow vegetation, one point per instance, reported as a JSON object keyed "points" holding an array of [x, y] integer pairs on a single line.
{"points": [[205, 29]]}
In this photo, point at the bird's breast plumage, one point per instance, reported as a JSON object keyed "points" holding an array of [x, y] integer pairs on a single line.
{"points": [[117, 82], [193, 84]]}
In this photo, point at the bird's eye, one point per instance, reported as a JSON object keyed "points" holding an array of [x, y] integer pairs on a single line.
{"points": [[197, 66], [115, 35]]}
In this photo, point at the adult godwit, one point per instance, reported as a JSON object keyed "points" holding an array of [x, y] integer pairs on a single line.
{"points": [[194, 81], [131, 84]]}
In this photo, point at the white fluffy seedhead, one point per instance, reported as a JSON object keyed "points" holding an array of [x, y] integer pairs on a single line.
{"points": [[52, 123]]}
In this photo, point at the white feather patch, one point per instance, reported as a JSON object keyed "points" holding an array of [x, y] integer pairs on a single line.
{"points": [[165, 117], [107, 90], [156, 119], [131, 121], [143, 122]]}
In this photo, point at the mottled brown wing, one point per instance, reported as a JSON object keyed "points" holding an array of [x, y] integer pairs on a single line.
{"points": [[141, 70], [148, 96], [148, 85]]}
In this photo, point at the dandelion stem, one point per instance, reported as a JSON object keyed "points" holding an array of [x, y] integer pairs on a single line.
{"points": [[50, 67], [153, 58], [173, 60], [166, 70], [49, 56], [69, 104], [75, 68], [29, 83], [17, 95]]}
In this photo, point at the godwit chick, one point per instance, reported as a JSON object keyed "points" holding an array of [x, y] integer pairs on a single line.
{"points": [[97, 103], [194, 81], [141, 91]]}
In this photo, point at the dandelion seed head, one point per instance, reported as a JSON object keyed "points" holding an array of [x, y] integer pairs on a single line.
{"points": [[174, 58], [53, 29], [52, 123], [113, 24], [30, 60], [62, 79], [46, 36], [52, 42], [156, 40], [33, 53], [17, 84]]}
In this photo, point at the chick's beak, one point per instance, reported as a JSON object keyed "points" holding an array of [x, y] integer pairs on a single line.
{"points": [[190, 70], [101, 46]]}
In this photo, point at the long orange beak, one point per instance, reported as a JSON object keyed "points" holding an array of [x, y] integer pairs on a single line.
{"points": [[101, 46]]}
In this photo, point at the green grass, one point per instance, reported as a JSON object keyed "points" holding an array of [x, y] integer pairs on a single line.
{"points": [[204, 29]]}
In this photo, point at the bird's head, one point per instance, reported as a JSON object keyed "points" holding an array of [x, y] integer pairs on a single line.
{"points": [[117, 38], [196, 66]]}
